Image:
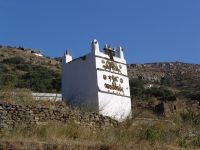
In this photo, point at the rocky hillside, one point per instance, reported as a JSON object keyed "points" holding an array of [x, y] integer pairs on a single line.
{"points": [[173, 73], [181, 78], [156, 71], [32, 56]]}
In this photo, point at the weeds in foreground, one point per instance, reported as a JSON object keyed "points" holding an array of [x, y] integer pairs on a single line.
{"points": [[191, 118], [125, 133], [188, 141], [182, 131], [152, 134]]}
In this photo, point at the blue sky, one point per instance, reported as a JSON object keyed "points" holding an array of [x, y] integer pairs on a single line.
{"points": [[149, 30]]}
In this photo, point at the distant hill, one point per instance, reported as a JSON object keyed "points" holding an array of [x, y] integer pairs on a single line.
{"points": [[181, 78], [27, 68], [176, 74]]}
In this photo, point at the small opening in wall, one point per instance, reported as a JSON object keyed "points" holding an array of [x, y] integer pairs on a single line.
{"points": [[174, 107]]}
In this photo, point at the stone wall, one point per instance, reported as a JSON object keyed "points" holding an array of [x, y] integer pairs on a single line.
{"points": [[169, 108], [12, 116]]}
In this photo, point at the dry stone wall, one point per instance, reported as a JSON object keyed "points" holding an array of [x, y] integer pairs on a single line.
{"points": [[12, 116], [169, 108]]}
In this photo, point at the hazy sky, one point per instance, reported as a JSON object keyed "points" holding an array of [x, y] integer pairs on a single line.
{"points": [[149, 30]]}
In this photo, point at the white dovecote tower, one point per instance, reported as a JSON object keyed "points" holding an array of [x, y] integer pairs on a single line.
{"points": [[98, 81]]}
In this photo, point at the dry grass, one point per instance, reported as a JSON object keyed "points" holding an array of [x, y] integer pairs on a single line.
{"points": [[132, 134], [151, 133], [24, 97]]}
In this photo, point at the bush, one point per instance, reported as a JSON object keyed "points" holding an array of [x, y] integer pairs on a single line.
{"points": [[14, 60], [194, 96], [167, 80], [196, 142], [36, 78], [188, 141], [182, 142], [168, 98], [24, 67], [191, 118], [136, 87], [158, 92], [41, 79], [8, 80], [151, 134], [3, 69], [56, 83]]}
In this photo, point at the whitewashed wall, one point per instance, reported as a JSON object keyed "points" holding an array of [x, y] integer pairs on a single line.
{"points": [[114, 103], [79, 82], [47, 96], [97, 83], [115, 106]]}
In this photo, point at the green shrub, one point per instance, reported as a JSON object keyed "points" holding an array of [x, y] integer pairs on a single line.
{"points": [[36, 78], [194, 96], [8, 80], [14, 60], [167, 80], [191, 118], [3, 68], [168, 98], [182, 142], [136, 87], [41, 79], [151, 134], [196, 142], [188, 141], [56, 83], [24, 67], [158, 92]]}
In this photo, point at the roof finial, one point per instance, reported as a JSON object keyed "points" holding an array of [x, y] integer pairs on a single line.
{"points": [[95, 46], [67, 52]]}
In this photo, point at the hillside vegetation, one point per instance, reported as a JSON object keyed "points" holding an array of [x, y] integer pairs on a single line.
{"points": [[174, 79], [19, 68]]}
